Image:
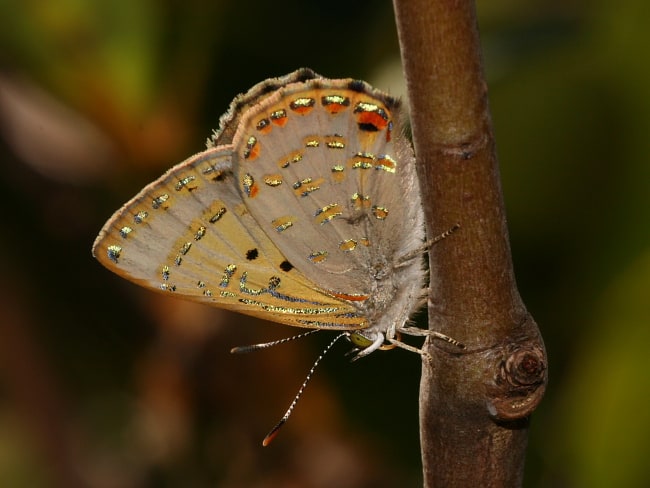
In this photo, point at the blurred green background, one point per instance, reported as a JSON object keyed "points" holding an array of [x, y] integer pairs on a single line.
{"points": [[103, 384]]}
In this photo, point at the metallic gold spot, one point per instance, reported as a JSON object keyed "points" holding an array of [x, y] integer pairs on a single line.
{"points": [[158, 201], [335, 103], [252, 148], [165, 272], [279, 117], [304, 187], [248, 291], [273, 180], [166, 287], [140, 216], [366, 107], [184, 182], [289, 310], [125, 231], [335, 99], [335, 142], [312, 141], [386, 163], [298, 184], [363, 160], [249, 186], [348, 245], [227, 274], [327, 213], [302, 105], [317, 256], [113, 253], [200, 284], [295, 157], [186, 247], [283, 223], [380, 212], [218, 215], [360, 201], [199, 233], [217, 173], [361, 165]]}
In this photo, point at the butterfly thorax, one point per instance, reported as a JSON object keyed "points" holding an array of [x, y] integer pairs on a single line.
{"points": [[396, 291]]}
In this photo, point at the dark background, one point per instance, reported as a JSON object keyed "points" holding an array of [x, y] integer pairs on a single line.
{"points": [[104, 384]]}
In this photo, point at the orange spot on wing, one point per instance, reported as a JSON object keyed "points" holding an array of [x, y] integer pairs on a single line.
{"points": [[302, 110], [281, 122], [278, 117], [335, 108], [372, 118], [254, 152], [351, 298]]}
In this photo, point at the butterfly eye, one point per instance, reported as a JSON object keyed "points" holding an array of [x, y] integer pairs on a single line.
{"points": [[359, 340]]}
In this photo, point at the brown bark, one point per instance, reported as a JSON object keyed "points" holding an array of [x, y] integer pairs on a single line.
{"points": [[474, 404]]}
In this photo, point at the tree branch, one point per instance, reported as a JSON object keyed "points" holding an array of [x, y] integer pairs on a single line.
{"points": [[474, 405]]}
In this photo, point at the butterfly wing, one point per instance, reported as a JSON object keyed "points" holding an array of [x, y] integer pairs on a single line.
{"points": [[321, 170], [189, 234]]}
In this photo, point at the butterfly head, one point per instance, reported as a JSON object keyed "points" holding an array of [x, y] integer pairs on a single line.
{"points": [[365, 342]]}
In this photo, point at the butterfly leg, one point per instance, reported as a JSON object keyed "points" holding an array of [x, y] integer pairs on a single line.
{"points": [[404, 260], [416, 331], [408, 347]]}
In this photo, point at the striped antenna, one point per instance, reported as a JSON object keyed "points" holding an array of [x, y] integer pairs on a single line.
{"points": [[266, 345], [274, 431]]}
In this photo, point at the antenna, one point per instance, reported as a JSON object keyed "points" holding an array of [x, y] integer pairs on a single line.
{"points": [[274, 431], [266, 345]]}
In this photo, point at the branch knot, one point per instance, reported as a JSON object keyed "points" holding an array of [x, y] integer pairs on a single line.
{"points": [[520, 382]]}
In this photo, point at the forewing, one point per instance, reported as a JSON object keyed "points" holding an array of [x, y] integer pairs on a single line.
{"points": [[190, 234]]}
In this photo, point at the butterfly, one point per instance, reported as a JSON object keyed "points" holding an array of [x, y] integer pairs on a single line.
{"points": [[304, 209]]}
